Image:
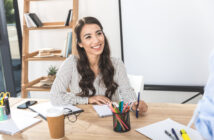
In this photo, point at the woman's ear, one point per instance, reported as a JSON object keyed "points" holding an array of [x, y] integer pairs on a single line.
{"points": [[80, 44]]}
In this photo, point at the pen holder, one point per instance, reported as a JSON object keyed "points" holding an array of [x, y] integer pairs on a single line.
{"points": [[121, 122], [4, 115]]}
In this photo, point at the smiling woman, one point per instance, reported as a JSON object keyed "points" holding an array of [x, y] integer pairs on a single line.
{"points": [[93, 77], [92, 40]]}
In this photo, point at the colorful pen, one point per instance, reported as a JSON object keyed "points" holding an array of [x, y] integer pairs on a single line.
{"points": [[121, 107], [125, 107], [174, 133], [138, 100], [184, 135], [168, 134]]}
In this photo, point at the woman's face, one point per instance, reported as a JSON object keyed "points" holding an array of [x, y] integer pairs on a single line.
{"points": [[92, 40]]}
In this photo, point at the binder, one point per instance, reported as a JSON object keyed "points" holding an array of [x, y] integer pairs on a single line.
{"points": [[36, 19], [41, 108]]}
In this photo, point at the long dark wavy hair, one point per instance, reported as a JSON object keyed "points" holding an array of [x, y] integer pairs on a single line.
{"points": [[105, 65]]}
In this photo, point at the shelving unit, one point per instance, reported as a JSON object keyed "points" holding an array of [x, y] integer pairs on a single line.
{"points": [[26, 56]]}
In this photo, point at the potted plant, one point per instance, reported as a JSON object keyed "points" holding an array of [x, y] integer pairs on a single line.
{"points": [[52, 70]]}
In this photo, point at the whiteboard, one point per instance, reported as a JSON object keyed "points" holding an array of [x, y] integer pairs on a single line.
{"points": [[169, 42]]}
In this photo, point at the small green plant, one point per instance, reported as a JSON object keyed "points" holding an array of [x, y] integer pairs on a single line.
{"points": [[52, 70]]}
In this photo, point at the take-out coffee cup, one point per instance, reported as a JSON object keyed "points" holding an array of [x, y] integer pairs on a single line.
{"points": [[55, 118]]}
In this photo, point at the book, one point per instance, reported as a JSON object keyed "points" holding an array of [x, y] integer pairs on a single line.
{"points": [[69, 44], [18, 122], [69, 17], [103, 110], [36, 19], [41, 108], [63, 52], [29, 21], [158, 129]]}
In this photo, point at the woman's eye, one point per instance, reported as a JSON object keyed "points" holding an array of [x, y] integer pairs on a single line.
{"points": [[99, 33], [87, 37]]}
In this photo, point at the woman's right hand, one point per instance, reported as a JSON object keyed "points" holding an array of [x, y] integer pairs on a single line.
{"points": [[98, 100]]}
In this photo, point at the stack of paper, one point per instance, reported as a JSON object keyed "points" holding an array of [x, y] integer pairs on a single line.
{"points": [[19, 121], [156, 131], [102, 110]]}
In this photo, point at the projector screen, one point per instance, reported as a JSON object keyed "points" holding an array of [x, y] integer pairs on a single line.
{"points": [[169, 42]]}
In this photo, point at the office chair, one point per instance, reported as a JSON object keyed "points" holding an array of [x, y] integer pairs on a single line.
{"points": [[137, 83]]}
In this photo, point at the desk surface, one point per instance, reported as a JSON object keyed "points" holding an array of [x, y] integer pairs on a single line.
{"points": [[90, 126]]}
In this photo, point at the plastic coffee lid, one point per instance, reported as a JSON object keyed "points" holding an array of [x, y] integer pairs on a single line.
{"points": [[54, 111]]}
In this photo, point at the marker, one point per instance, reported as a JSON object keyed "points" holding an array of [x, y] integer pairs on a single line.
{"points": [[174, 133], [184, 134], [121, 107], [7, 106], [125, 107], [1, 101], [168, 134], [138, 100]]}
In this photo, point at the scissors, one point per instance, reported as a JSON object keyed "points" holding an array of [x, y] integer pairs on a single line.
{"points": [[2, 96]]}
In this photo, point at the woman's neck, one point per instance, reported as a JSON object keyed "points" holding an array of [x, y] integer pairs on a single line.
{"points": [[93, 61]]}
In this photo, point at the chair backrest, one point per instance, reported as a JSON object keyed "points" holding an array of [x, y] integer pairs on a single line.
{"points": [[136, 82]]}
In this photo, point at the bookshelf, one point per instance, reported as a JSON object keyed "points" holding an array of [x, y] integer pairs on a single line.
{"points": [[26, 56]]}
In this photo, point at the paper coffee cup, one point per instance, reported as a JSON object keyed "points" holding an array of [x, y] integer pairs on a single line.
{"points": [[55, 118]]}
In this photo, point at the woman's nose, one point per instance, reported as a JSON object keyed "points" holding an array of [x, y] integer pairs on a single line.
{"points": [[95, 40]]}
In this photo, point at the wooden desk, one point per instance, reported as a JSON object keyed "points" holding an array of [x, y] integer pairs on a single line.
{"points": [[90, 126]]}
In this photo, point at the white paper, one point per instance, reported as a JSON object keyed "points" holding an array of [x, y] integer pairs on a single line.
{"points": [[156, 131], [20, 113], [17, 123], [102, 110]]}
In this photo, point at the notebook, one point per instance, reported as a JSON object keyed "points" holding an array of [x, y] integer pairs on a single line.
{"points": [[102, 110], [159, 128], [41, 108], [18, 122]]}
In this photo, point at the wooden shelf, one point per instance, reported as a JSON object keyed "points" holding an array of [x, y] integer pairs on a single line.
{"points": [[41, 0], [55, 57], [35, 85], [27, 56], [51, 25], [38, 89]]}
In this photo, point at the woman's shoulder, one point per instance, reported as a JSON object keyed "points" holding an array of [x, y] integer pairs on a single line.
{"points": [[72, 59], [69, 63], [117, 62]]}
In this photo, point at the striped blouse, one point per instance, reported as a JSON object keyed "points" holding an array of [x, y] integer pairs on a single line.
{"points": [[68, 77]]}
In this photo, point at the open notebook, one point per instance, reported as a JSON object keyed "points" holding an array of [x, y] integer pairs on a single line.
{"points": [[19, 121], [41, 108], [102, 110]]}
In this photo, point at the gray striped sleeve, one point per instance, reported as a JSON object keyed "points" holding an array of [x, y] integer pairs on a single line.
{"points": [[59, 94], [126, 92]]}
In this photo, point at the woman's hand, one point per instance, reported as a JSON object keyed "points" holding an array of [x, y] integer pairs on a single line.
{"points": [[98, 100], [142, 108]]}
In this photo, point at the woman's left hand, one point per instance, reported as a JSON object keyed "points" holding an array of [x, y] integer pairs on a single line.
{"points": [[142, 108]]}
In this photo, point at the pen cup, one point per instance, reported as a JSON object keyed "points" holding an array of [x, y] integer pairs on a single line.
{"points": [[4, 114], [121, 122]]}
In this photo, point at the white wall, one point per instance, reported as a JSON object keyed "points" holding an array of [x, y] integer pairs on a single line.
{"points": [[169, 41], [105, 10]]}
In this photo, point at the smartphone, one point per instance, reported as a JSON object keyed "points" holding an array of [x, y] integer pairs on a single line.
{"points": [[26, 104]]}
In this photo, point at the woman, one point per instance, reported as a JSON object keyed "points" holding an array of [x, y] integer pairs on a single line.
{"points": [[93, 77], [204, 113]]}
